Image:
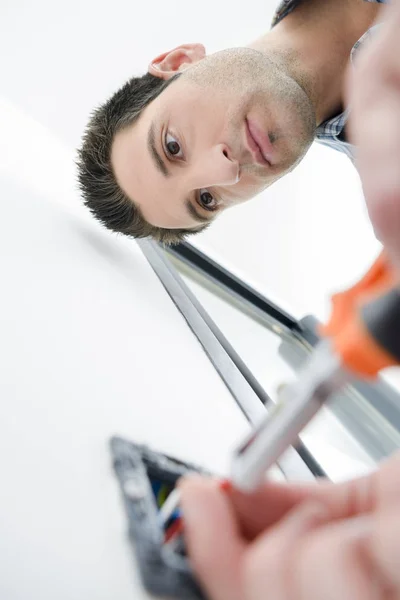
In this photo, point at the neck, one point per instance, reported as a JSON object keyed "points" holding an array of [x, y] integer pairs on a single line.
{"points": [[313, 44]]}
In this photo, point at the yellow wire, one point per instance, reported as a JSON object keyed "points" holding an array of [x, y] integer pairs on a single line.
{"points": [[162, 495]]}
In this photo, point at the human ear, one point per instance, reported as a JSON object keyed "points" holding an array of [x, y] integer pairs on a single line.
{"points": [[175, 61]]}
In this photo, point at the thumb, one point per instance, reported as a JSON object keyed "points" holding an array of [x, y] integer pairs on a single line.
{"points": [[212, 538]]}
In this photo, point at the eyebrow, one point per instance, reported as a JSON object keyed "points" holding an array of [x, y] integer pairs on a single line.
{"points": [[195, 215], [161, 166], [158, 161]]}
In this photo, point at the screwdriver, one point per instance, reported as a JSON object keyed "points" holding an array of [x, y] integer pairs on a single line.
{"points": [[361, 338]]}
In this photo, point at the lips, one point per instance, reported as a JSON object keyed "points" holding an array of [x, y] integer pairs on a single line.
{"points": [[259, 144]]}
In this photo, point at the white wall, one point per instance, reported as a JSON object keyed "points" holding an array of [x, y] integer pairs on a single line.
{"points": [[65, 57]]}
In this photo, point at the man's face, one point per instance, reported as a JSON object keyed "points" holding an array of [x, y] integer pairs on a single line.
{"points": [[226, 129]]}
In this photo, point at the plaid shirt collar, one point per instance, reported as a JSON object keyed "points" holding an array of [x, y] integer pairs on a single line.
{"points": [[332, 131]]}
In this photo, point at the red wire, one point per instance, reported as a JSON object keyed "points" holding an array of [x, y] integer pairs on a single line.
{"points": [[176, 528]]}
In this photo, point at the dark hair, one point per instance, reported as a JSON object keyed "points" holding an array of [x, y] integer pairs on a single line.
{"points": [[99, 187]]}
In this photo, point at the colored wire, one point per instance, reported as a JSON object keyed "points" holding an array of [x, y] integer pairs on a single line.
{"points": [[174, 530], [162, 495]]}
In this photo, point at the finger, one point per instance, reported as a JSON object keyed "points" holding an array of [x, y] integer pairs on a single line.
{"points": [[332, 563], [384, 548], [268, 561], [388, 483], [260, 510], [269, 504], [380, 489], [213, 539], [257, 511]]}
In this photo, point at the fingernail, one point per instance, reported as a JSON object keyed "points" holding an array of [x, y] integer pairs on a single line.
{"points": [[225, 485], [192, 507], [188, 479]]}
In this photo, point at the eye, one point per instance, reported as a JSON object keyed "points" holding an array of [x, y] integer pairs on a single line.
{"points": [[172, 146], [207, 200]]}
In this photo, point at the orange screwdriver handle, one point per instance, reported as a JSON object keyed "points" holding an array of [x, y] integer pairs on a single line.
{"points": [[365, 321]]}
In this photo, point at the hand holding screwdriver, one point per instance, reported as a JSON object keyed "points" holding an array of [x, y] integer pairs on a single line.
{"points": [[318, 541], [363, 338]]}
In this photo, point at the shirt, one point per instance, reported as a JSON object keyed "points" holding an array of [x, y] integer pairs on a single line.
{"points": [[330, 132]]}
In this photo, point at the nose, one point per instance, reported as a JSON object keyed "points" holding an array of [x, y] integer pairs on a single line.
{"points": [[216, 166]]}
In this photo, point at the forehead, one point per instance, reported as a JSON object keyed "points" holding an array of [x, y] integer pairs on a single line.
{"points": [[136, 173]]}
